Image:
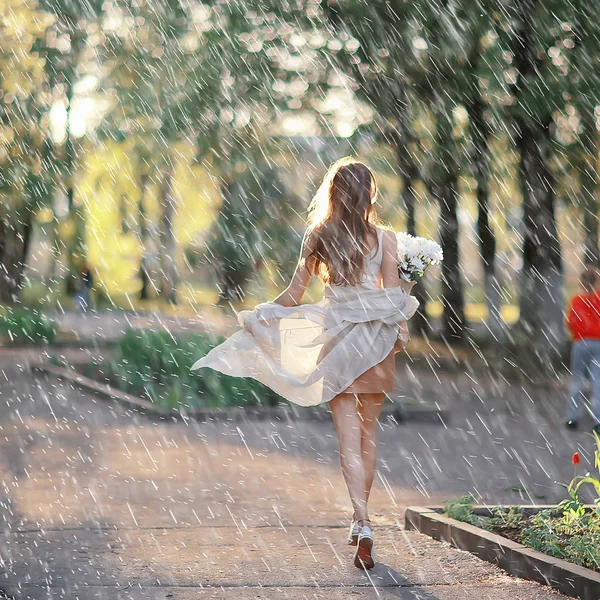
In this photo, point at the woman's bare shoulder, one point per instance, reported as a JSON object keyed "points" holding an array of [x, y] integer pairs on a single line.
{"points": [[387, 232], [386, 229], [389, 241]]}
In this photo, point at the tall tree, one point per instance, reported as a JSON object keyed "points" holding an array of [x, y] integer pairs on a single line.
{"points": [[483, 58], [583, 35], [148, 51], [254, 72], [24, 182], [204, 73], [541, 302], [412, 55], [66, 51]]}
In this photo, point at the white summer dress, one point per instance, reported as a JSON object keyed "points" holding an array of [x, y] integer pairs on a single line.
{"points": [[309, 353]]}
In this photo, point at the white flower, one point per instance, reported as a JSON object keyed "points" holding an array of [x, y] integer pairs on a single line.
{"points": [[415, 254], [418, 264]]}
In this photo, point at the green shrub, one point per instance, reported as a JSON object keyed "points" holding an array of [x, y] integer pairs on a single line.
{"points": [[26, 324], [575, 541], [462, 510], [156, 365]]}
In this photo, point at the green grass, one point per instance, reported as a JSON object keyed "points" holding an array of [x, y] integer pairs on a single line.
{"points": [[155, 365], [22, 324]]}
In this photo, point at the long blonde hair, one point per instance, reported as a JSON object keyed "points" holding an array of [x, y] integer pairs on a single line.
{"points": [[340, 216]]}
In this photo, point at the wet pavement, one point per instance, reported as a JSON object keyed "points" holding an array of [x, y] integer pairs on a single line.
{"points": [[100, 502]]}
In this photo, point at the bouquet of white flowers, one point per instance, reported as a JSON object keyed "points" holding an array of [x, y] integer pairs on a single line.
{"points": [[415, 254]]}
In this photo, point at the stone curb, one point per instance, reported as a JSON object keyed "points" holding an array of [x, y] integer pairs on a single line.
{"points": [[517, 559], [292, 412]]}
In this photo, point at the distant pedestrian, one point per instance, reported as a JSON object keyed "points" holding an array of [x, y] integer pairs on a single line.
{"points": [[583, 320], [83, 298]]}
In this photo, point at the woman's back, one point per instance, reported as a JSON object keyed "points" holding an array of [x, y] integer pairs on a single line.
{"points": [[372, 273]]}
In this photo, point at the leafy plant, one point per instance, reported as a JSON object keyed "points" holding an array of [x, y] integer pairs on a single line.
{"points": [[541, 535], [579, 480], [506, 518], [24, 324], [577, 541], [156, 364], [572, 509], [462, 510]]}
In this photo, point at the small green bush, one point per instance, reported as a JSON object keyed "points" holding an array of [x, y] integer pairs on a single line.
{"points": [[461, 509], [26, 324], [156, 365]]}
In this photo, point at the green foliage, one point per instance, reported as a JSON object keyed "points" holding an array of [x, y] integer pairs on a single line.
{"points": [[572, 509], [593, 480], [156, 365], [23, 324], [505, 519], [553, 531], [41, 295], [570, 531], [246, 233], [577, 541], [462, 510]]}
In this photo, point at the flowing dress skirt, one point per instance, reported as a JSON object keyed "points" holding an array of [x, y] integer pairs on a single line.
{"points": [[309, 353]]}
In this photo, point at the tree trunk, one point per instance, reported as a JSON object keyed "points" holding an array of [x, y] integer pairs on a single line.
{"points": [[588, 153], [143, 236], [408, 194], [409, 173], [485, 233], [15, 235], [235, 267], [168, 243], [541, 302], [444, 186], [453, 317], [76, 255]]}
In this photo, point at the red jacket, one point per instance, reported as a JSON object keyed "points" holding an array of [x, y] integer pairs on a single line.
{"points": [[583, 316]]}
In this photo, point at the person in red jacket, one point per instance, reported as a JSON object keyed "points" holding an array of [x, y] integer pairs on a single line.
{"points": [[583, 321]]}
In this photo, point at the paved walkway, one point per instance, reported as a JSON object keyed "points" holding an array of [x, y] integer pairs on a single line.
{"points": [[109, 325], [100, 503]]}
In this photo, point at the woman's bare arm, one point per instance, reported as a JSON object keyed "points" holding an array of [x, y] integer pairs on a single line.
{"points": [[389, 264], [389, 261], [293, 294], [391, 278]]}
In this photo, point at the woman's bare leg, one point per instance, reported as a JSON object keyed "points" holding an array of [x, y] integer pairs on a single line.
{"points": [[369, 408], [348, 427]]}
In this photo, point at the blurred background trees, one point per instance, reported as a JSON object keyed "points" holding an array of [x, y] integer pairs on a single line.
{"points": [[174, 147], [24, 175]]}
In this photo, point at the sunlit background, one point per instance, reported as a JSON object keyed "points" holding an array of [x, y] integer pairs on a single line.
{"points": [[173, 148], [157, 160]]}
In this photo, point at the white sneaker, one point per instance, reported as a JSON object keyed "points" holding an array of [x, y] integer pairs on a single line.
{"points": [[364, 558], [353, 533]]}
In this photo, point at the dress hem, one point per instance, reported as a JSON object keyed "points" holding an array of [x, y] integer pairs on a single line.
{"points": [[310, 353]]}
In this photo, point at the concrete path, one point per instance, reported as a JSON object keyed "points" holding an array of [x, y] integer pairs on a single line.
{"points": [[109, 325], [100, 503]]}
